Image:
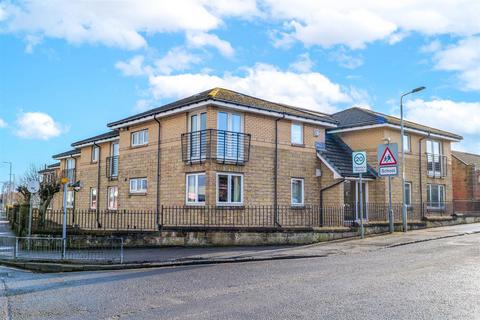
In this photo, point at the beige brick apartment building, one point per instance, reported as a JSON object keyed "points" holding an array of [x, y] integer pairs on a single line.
{"points": [[223, 148]]}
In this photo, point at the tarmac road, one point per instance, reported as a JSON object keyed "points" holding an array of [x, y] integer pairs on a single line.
{"points": [[437, 279]]}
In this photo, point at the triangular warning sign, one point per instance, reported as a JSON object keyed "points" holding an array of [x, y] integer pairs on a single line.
{"points": [[387, 158]]}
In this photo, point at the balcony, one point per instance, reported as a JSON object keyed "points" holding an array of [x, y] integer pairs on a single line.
{"points": [[69, 174], [112, 168], [218, 145], [436, 165]]}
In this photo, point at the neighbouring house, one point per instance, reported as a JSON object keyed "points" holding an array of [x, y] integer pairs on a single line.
{"points": [[224, 149], [466, 176]]}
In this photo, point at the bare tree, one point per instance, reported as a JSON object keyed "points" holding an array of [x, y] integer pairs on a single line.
{"points": [[48, 189]]}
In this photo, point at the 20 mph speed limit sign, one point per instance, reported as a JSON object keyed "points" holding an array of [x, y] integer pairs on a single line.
{"points": [[359, 162]]}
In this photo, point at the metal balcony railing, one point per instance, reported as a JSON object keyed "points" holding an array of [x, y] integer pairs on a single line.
{"points": [[112, 168], [436, 165], [222, 146], [69, 174]]}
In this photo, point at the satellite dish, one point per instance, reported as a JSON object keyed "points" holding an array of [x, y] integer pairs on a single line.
{"points": [[33, 186]]}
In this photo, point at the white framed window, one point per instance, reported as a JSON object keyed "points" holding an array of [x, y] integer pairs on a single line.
{"points": [[139, 138], [93, 198], [435, 195], [112, 198], [195, 188], [297, 133], [95, 153], [229, 189], [297, 191], [435, 165], [408, 194], [406, 143], [70, 198], [138, 185]]}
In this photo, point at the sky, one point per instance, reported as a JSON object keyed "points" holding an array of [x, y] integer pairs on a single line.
{"points": [[67, 68]]}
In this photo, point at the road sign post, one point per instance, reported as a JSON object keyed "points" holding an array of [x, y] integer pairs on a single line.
{"points": [[387, 155], [33, 186], [359, 165]]}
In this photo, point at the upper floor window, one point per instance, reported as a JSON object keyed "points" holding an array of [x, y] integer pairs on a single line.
{"points": [[138, 185], [140, 138], [436, 162], [406, 143], [70, 164], [95, 153], [297, 133], [297, 191]]}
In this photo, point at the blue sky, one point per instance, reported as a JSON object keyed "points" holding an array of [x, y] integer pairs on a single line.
{"points": [[67, 68]]}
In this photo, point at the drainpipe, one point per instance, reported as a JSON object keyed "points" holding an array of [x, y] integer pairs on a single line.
{"points": [[321, 197], [159, 221], [275, 175], [420, 169], [99, 225]]}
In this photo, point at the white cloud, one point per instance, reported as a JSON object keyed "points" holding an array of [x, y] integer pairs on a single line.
{"points": [[119, 23], [356, 23], [177, 59], [3, 123], [431, 47], [37, 125], [464, 58], [345, 60], [310, 90], [303, 63], [132, 67], [202, 39], [142, 105], [454, 116]]}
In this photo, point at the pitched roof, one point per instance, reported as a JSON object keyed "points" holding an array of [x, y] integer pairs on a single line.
{"points": [[467, 158], [358, 117], [229, 96], [339, 156], [103, 136], [50, 168], [73, 152]]}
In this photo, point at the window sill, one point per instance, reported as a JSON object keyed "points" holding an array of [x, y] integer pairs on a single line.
{"points": [[139, 146], [195, 205], [231, 205], [137, 193], [300, 145], [297, 206]]}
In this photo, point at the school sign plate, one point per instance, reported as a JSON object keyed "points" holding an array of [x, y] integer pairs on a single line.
{"points": [[387, 157]]}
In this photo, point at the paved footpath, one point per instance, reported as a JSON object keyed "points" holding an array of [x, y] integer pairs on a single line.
{"points": [[375, 278], [279, 252]]}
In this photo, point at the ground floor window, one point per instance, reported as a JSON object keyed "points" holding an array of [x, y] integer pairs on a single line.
{"points": [[93, 198], [408, 194], [297, 190], [195, 188], [112, 198], [70, 198], [435, 195], [229, 188], [138, 185]]}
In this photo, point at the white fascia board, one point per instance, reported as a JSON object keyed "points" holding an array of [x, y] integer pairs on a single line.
{"points": [[97, 142], [226, 105], [67, 157], [336, 175], [393, 126]]}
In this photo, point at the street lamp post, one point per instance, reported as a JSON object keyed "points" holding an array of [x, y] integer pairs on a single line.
{"points": [[402, 133]]}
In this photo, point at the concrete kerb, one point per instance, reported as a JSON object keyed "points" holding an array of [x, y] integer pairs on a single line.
{"points": [[50, 267]]}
